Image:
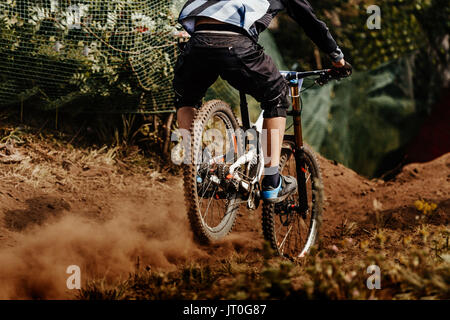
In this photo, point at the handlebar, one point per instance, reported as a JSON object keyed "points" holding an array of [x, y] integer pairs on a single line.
{"points": [[324, 76]]}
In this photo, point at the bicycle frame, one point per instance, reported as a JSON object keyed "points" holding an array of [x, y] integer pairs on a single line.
{"points": [[296, 113], [295, 80], [295, 85], [295, 88]]}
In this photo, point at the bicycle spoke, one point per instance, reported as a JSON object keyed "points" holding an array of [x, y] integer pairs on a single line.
{"points": [[297, 233], [206, 189], [209, 203], [281, 226], [284, 240], [302, 223]]}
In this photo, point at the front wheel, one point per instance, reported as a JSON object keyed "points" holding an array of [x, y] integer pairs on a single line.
{"points": [[292, 226]]}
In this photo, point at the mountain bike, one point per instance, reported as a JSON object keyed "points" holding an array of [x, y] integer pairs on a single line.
{"points": [[226, 164]]}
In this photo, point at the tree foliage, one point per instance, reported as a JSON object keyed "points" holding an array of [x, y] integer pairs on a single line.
{"points": [[406, 26]]}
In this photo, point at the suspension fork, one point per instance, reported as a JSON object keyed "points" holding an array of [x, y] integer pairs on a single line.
{"points": [[298, 149]]}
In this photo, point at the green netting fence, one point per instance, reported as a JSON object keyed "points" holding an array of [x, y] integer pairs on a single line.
{"points": [[63, 49]]}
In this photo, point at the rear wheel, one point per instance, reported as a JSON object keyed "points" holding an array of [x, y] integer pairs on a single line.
{"points": [[211, 210], [292, 227]]}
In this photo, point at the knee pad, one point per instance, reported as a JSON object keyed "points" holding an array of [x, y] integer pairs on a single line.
{"points": [[278, 106]]}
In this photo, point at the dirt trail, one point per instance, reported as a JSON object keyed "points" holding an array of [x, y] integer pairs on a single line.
{"points": [[61, 207]]}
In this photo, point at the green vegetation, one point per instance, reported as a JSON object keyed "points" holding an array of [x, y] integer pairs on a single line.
{"points": [[405, 26], [400, 73], [422, 271]]}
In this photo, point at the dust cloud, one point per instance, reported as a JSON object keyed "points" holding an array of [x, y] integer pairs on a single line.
{"points": [[35, 267]]}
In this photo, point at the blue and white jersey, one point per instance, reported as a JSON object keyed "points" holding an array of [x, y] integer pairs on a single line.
{"points": [[239, 13], [254, 16]]}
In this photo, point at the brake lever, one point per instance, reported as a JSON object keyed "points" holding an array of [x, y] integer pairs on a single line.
{"points": [[343, 72], [336, 74], [323, 79]]}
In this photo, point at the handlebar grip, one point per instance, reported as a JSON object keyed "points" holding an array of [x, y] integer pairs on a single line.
{"points": [[336, 74], [342, 72]]}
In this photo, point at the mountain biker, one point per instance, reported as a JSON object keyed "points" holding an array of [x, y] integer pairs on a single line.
{"points": [[224, 36]]}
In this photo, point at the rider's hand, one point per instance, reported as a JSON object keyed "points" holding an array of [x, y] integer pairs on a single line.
{"points": [[342, 68], [339, 64]]}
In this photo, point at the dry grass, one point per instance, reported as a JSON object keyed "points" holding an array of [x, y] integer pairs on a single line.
{"points": [[48, 162]]}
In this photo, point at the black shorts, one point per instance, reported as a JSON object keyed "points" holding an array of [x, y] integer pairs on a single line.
{"points": [[235, 58]]}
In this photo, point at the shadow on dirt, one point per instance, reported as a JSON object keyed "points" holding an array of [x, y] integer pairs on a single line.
{"points": [[39, 210]]}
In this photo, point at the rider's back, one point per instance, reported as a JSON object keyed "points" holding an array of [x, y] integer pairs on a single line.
{"points": [[254, 16]]}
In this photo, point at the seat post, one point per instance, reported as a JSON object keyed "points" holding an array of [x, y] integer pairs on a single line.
{"points": [[244, 110]]}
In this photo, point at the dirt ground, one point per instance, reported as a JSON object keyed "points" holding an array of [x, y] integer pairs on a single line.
{"points": [[62, 206]]}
